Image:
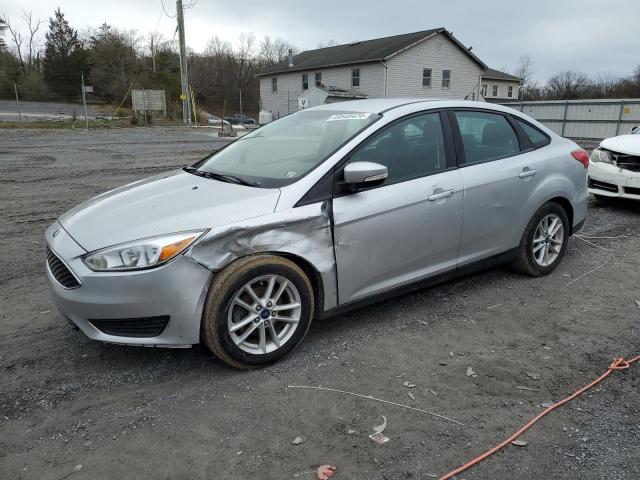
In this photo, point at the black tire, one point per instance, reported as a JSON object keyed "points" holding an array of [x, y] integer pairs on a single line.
{"points": [[214, 329], [525, 262]]}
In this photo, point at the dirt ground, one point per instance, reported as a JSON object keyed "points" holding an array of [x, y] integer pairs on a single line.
{"points": [[74, 408]]}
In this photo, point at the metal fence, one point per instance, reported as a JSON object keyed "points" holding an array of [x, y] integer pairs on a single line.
{"points": [[584, 119]]}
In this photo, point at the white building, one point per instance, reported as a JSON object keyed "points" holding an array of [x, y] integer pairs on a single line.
{"points": [[431, 63], [499, 87]]}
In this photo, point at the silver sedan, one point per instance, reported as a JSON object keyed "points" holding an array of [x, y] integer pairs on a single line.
{"points": [[321, 211]]}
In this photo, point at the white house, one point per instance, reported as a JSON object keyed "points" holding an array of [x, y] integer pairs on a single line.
{"points": [[430, 63], [500, 87]]}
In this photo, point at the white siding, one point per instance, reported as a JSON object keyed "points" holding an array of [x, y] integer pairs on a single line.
{"points": [[437, 53], [290, 85], [503, 87]]}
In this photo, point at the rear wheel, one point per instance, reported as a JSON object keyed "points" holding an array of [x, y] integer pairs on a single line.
{"points": [[258, 309], [544, 241]]}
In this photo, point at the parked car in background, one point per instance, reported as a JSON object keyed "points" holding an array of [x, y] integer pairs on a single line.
{"points": [[614, 167], [316, 213], [216, 121], [240, 119]]}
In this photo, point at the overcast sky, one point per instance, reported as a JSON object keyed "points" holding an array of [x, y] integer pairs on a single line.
{"points": [[590, 36]]}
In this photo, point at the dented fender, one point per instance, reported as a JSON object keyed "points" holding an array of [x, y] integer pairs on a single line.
{"points": [[305, 232]]}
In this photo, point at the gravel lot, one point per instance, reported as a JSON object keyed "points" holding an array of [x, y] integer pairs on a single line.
{"points": [[73, 408]]}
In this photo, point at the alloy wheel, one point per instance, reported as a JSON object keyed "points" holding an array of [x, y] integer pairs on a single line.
{"points": [[548, 240], [264, 314]]}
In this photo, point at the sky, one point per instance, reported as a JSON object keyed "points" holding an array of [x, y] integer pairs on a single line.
{"points": [[594, 37]]}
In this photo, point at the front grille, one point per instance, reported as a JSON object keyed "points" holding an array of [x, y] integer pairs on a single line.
{"points": [[132, 327], [632, 190], [60, 271], [609, 187]]}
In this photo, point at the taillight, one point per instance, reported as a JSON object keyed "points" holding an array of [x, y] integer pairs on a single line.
{"points": [[581, 156]]}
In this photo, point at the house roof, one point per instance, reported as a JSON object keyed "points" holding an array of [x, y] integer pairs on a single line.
{"points": [[362, 52], [492, 74]]}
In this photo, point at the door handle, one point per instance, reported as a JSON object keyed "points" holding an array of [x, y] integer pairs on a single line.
{"points": [[527, 172], [440, 195]]}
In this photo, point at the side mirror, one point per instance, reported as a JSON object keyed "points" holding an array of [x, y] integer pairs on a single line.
{"points": [[365, 174]]}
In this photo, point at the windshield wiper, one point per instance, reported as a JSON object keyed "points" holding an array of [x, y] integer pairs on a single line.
{"points": [[223, 177]]}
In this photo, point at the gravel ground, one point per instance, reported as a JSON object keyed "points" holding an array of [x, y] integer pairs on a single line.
{"points": [[74, 408]]}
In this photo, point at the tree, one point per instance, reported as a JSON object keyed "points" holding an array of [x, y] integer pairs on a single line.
{"points": [[65, 58], [113, 60], [29, 56], [525, 72], [567, 85], [3, 27], [275, 51]]}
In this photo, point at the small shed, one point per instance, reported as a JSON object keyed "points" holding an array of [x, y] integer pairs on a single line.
{"points": [[320, 95]]}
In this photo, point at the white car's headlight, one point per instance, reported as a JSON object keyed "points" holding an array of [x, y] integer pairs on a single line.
{"points": [[139, 254], [601, 156]]}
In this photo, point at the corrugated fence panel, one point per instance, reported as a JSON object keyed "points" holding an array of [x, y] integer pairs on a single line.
{"points": [[585, 118], [546, 111]]}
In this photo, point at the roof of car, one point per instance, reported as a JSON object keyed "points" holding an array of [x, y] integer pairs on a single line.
{"points": [[362, 52], [381, 105]]}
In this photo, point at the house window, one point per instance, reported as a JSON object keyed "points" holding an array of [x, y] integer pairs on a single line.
{"points": [[305, 81], [495, 90], [426, 77], [318, 79], [355, 77], [484, 90], [274, 85], [510, 91], [446, 79]]}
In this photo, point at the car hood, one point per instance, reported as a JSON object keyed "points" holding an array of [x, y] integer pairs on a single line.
{"points": [[627, 144], [167, 203]]}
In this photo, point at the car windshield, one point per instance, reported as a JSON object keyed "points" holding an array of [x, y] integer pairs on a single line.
{"points": [[283, 151]]}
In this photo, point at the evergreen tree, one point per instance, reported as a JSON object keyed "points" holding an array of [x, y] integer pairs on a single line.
{"points": [[65, 58]]}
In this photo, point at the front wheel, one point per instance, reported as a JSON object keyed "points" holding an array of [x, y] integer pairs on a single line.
{"points": [[258, 309], [544, 241]]}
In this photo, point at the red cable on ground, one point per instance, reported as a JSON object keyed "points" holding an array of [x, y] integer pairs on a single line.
{"points": [[618, 364]]}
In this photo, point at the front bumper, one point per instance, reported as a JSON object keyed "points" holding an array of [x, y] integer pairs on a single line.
{"points": [[612, 181], [176, 290]]}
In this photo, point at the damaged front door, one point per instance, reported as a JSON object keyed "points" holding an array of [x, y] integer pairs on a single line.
{"points": [[408, 228]]}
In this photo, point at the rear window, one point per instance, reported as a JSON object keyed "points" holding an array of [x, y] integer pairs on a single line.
{"points": [[536, 137], [486, 136]]}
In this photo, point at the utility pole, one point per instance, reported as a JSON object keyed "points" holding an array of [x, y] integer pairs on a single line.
{"points": [[184, 77], [15, 88], [84, 101]]}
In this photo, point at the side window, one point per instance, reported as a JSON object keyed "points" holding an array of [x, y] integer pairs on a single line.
{"points": [[536, 137], [318, 79], [426, 77], [274, 84], [486, 136], [305, 81], [446, 79], [495, 90], [411, 148], [355, 77]]}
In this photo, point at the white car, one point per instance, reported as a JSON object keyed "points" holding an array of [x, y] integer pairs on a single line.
{"points": [[216, 121], [614, 167]]}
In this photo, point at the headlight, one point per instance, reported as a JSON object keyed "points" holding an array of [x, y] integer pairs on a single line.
{"points": [[601, 156], [139, 254]]}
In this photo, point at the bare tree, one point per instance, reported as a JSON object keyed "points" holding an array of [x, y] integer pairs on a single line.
{"points": [[524, 71], [153, 39], [328, 43], [27, 48], [274, 51], [567, 85]]}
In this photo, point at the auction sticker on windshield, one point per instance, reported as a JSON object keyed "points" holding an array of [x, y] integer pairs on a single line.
{"points": [[349, 116]]}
